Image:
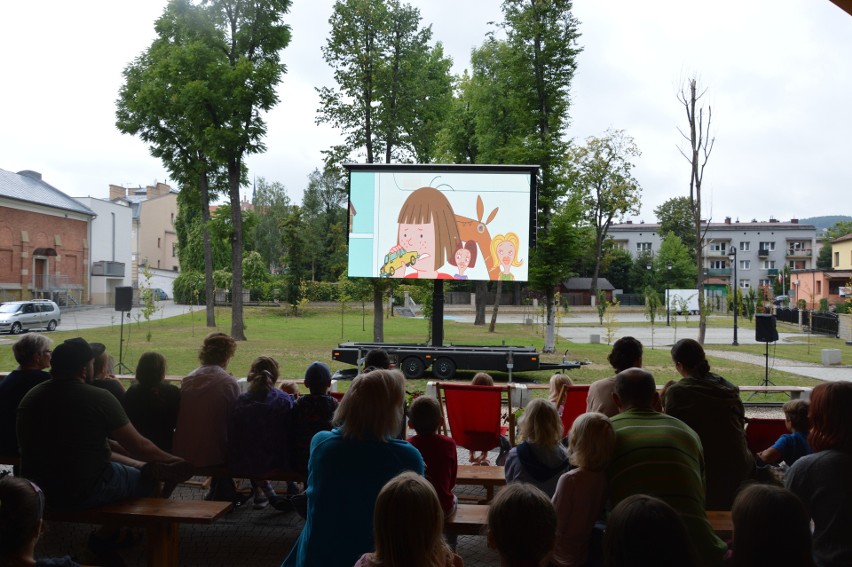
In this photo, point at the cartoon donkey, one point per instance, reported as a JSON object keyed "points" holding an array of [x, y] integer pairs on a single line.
{"points": [[477, 231]]}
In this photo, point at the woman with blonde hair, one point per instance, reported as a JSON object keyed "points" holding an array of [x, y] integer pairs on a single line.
{"points": [[504, 251], [540, 459], [404, 539], [364, 446], [558, 382]]}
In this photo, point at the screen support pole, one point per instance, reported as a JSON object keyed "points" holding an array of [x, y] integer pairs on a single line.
{"points": [[438, 313]]}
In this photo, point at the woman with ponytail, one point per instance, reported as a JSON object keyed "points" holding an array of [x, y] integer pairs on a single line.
{"points": [[711, 406]]}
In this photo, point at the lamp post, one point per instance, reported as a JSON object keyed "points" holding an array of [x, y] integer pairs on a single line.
{"points": [[668, 307], [734, 287]]}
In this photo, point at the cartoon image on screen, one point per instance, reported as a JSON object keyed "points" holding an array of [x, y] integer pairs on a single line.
{"points": [[432, 225], [504, 250]]}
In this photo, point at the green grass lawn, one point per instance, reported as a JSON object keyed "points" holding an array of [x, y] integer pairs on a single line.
{"points": [[297, 341]]}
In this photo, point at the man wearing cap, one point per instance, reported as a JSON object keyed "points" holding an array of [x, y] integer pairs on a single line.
{"points": [[64, 426]]}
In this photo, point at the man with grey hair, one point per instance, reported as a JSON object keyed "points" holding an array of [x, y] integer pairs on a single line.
{"points": [[32, 352], [659, 455]]}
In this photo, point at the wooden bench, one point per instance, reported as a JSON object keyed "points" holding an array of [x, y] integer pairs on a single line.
{"points": [[160, 517], [472, 519], [795, 392], [488, 477]]}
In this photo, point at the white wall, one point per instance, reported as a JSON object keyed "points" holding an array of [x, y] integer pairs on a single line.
{"points": [[109, 240]]}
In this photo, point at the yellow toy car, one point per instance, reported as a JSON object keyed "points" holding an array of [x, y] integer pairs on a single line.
{"points": [[396, 260]]}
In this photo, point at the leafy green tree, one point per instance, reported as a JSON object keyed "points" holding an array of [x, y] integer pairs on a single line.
{"points": [[618, 263], [293, 235], [271, 205], [674, 253], [324, 214], [840, 228], [255, 271], [675, 216], [602, 180], [642, 273]]}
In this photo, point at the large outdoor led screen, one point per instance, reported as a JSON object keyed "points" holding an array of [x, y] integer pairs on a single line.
{"points": [[441, 222]]}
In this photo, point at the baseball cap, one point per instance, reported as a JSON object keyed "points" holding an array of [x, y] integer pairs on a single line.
{"points": [[317, 375], [71, 355]]}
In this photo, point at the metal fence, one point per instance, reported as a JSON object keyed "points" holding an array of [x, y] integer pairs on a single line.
{"points": [[822, 323]]}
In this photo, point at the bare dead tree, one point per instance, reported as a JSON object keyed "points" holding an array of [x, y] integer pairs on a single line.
{"points": [[700, 146]]}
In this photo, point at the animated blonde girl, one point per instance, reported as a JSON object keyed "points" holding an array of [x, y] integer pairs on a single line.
{"points": [[427, 225], [504, 249]]}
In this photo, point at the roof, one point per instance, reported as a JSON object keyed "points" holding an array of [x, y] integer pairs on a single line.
{"points": [[843, 238], [28, 187], [735, 225], [585, 284]]}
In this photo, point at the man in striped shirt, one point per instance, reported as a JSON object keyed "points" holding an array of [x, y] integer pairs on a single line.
{"points": [[659, 455]]}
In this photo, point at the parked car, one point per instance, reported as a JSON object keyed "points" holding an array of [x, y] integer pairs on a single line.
{"points": [[19, 316], [158, 294], [782, 300]]}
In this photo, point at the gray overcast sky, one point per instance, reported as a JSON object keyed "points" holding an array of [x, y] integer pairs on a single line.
{"points": [[779, 74]]}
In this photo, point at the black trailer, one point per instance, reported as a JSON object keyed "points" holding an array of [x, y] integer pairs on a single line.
{"points": [[415, 359]]}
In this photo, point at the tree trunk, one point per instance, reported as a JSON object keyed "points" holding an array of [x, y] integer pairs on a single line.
{"points": [[550, 327], [378, 309], [493, 324], [209, 288], [237, 325], [481, 302]]}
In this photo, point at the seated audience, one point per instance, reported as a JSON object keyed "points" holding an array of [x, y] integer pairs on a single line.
{"points": [[581, 492], [152, 404], [659, 455], [823, 480], [540, 459], [311, 414], [32, 352], [362, 445], [438, 451], [481, 457], [771, 529], [207, 397], [642, 531], [712, 407], [64, 427], [259, 430], [793, 445], [103, 369], [522, 526], [626, 353], [22, 523], [558, 382], [290, 387], [404, 539]]}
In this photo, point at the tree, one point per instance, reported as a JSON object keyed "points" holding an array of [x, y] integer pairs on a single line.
{"points": [[602, 180], [642, 273], [674, 253], [675, 216], [324, 213], [271, 205], [292, 234], [697, 154], [618, 263], [840, 228], [226, 56]]}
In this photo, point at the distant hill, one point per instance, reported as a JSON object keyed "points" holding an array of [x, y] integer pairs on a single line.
{"points": [[822, 223]]}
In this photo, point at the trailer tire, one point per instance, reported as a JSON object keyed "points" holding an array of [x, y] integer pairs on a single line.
{"points": [[444, 368], [413, 368]]}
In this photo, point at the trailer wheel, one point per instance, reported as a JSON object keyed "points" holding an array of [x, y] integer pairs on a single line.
{"points": [[444, 368], [413, 368]]}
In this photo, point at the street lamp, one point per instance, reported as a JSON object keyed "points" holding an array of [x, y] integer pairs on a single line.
{"points": [[733, 256], [668, 307]]}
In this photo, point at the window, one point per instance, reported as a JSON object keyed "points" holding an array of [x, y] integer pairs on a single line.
{"points": [[158, 243], [174, 249], [643, 247], [767, 265], [745, 246], [819, 287], [745, 284], [836, 259], [765, 283], [720, 247], [798, 264], [745, 264], [767, 246], [718, 264]]}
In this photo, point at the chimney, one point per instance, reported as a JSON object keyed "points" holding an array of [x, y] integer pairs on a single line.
{"points": [[727, 220], [163, 189], [151, 192], [116, 192], [773, 219]]}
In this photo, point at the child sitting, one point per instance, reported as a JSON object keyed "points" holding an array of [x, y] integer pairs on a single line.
{"points": [[521, 526], [540, 459], [790, 446], [558, 382], [581, 492], [289, 387], [480, 379], [406, 539], [21, 524], [439, 451], [312, 413]]}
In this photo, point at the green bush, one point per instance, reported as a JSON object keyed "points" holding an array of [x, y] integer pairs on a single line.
{"points": [[823, 305], [844, 307], [188, 288], [320, 291]]}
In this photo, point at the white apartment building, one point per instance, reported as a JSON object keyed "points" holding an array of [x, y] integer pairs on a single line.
{"points": [[762, 248]]}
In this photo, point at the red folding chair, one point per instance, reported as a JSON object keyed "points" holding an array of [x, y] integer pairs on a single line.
{"points": [[475, 415], [762, 433], [572, 403], [336, 395]]}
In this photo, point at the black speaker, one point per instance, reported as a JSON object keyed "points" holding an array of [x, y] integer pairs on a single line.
{"points": [[764, 328], [123, 298]]}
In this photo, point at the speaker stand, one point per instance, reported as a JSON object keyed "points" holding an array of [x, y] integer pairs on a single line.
{"points": [[766, 381], [122, 368]]}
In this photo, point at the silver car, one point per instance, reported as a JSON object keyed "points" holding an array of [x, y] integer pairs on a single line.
{"points": [[19, 316]]}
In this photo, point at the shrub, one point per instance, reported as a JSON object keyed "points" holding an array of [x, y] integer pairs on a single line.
{"points": [[188, 288]]}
